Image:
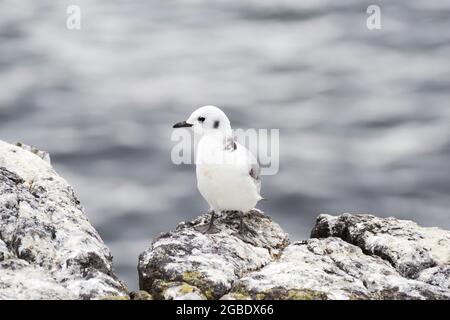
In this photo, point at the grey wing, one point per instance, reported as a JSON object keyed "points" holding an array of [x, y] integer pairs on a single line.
{"points": [[229, 143], [255, 173]]}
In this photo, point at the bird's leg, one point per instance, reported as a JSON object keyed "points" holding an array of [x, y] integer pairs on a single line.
{"points": [[210, 227], [211, 220], [244, 230], [242, 225]]}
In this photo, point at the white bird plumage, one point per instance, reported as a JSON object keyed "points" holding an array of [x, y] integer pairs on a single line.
{"points": [[227, 172]]}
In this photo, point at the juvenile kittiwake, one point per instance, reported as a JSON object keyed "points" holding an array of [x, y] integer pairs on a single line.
{"points": [[228, 175]]}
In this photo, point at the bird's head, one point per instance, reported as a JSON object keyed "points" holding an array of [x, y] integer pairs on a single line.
{"points": [[207, 119]]}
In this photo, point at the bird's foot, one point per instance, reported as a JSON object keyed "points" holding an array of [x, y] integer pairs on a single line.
{"points": [[209, 228], [245, 232]]}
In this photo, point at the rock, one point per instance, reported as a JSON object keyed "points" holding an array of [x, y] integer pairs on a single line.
{"points": [[332, 269], [209, 264], [167, 290], [48, 248], [140, 295], [437, 276], [348, 257], [41, 154], [410, 249]]}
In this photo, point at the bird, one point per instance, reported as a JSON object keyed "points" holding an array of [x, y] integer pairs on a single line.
{"points": [[228, 174]]}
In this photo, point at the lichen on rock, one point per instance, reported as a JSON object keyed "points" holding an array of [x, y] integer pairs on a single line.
{"points": [[210, 262], [48, 248], [332, 269], [349, 257], [40, 153], [140, 295], [412, 250]]}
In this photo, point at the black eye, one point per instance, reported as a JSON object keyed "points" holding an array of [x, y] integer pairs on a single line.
{"points": [[201, 119]]}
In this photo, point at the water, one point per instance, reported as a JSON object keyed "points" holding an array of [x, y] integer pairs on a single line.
{"points": [[363, 115]]}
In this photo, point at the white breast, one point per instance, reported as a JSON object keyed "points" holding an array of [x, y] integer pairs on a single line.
{"points": [[223, 177]]}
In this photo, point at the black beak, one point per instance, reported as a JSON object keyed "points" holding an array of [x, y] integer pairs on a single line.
{"points": [[183, 124]]}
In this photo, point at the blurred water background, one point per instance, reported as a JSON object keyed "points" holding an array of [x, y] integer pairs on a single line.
{"points": [[364, 116]]}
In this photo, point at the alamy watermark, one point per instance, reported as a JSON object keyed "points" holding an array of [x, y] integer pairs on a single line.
{"points": [[373, 22], [73, 21], [264, 144]]}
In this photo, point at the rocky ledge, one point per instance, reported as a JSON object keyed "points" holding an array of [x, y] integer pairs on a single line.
{"points": [[348, 257], [48, 248]]}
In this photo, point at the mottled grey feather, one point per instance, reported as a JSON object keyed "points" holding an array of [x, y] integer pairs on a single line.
{"points": [[255, 170], [229, 143], [255, 173]]}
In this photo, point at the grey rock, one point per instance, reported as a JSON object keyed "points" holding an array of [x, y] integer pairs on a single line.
{"points": [[409, 248], [40, 153], [348, 257], [140, 295], [48, 248], [332, 269], [437, 276], [210, 263], [175, 290]]}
